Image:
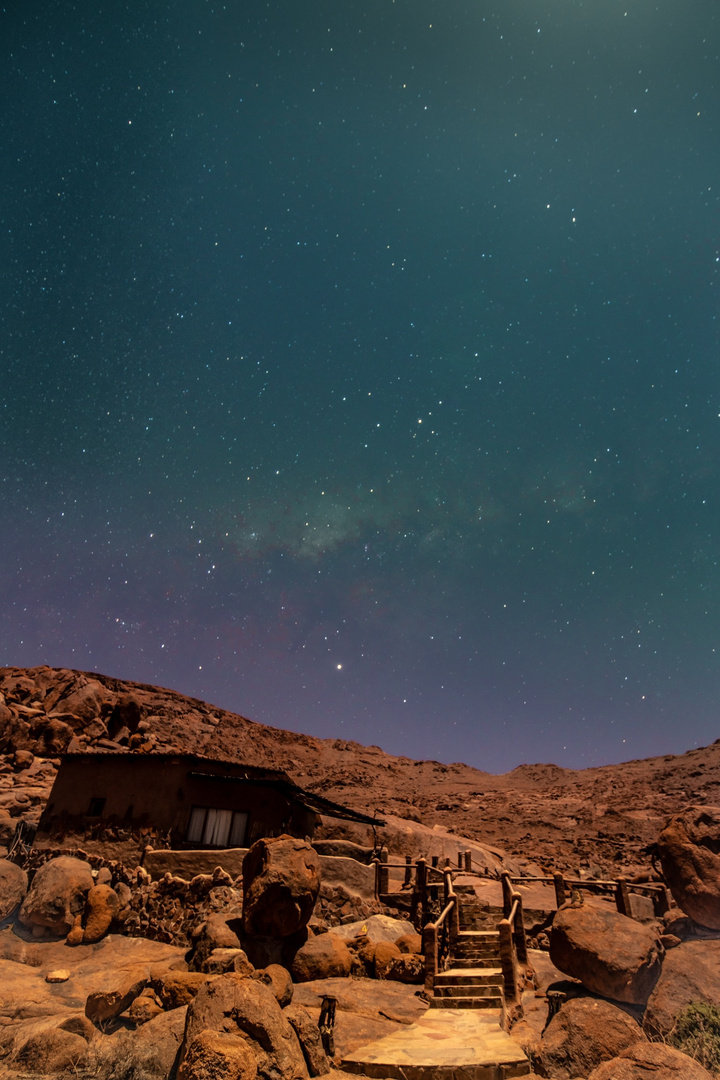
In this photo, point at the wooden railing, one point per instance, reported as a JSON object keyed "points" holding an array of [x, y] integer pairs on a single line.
{"points": [[438, 936], [512, 942], [422, 883]]}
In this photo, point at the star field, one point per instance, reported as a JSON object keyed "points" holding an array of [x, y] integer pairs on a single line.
{"points": [[360, 365]]}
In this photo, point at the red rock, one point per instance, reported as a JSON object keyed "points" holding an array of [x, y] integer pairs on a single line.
{"points": [[690, 972], [57, 895], [101, 907], [611, 954], [13, 887], [236, 1006], [218, 1055], [689, 850], [322, 957], [281, 881], [650, 1061], [585, 1032]]}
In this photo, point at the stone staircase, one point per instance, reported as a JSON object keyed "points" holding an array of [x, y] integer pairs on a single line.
{"points": [[453, 1040], [473, 978]]}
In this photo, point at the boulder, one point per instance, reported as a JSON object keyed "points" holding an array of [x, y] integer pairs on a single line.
{"points": [[176, 988], [281, 881], [88, 700], [377, 928], [322, 957], [101, 907], [51, 1051], [308, 1035], [144, 1008], [410, 943], [57, 895], [216, 1055], [104, 1005], [278, 979], [650, 1061], [585, 1032], [691, 972], [611, 954], [221, 960], [217, 932], [79, 1025], [408, 968], [385, 954], [126, 713], [236, 1006], [689, 850], [13, 887], [51, 736]]}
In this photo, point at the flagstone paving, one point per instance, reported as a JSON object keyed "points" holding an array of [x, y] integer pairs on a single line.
{"points": [[443, 1045]]}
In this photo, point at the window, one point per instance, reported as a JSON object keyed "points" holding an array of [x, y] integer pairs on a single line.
{"points": [[96, 807], [216, 828]]}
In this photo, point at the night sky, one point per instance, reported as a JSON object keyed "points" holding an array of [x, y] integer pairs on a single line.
{"points": [[359, 364]]}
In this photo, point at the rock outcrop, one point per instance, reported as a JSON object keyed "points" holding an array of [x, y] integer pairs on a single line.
{"points": [[239, 1006], [690, 972], [281, 881], [213, 1055], [689, 850], [13, 887], [57, 896], [650, 1061], [611, 954], [323, 957], [585, 1032]]}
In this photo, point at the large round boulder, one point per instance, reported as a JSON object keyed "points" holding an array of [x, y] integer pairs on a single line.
{"points": [[650, 1061], [244, 1007], [56, 896], [691, 972], [216, 1055], [323, 957], [611, 954], [689, 850], [13, 886], [585, 1032], [281, 881]]}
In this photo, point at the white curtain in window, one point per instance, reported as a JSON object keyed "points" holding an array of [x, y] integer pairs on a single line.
{"points": [[217, 827], [239, 827], [195, 828]]}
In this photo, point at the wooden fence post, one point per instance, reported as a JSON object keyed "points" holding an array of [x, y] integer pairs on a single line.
{"points": [[507, 892], [468, 861], [622, 897], [421, 884], [508, 961], [560, 889], [429, 936]]}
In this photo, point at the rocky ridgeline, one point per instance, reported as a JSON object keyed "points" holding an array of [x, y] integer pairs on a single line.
{"points": [[594, 821]]}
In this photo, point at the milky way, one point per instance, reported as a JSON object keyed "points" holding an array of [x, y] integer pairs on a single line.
{"points": [[360, 365]]}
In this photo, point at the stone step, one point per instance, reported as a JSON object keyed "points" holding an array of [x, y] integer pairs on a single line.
{"points": [[466, 990], [478, 976], [483, 948], [465, 960], [490, 1002]]}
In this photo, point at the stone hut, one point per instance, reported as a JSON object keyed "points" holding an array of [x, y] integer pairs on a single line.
{"points": [[188, 800]]}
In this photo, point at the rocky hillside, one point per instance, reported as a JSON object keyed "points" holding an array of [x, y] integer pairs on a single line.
{"points": [[593, 819]]}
